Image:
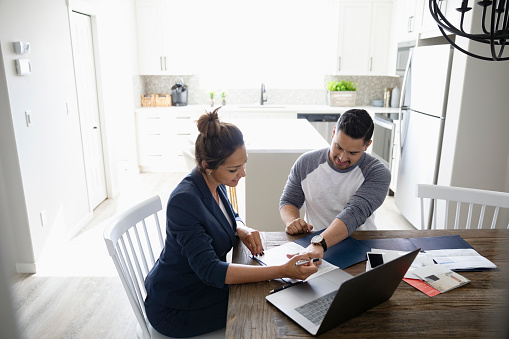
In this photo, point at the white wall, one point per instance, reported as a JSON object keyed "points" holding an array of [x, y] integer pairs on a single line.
{"points": [[42, 165]]}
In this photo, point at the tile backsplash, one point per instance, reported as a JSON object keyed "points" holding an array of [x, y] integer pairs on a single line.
{"points": [[368, 88]]}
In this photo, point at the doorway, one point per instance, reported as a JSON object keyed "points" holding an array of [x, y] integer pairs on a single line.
{"points": [[88, 106]]}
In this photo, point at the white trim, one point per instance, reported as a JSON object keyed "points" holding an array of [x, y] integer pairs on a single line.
{"points": [[25, 268], [82, 7], [79, 226]]}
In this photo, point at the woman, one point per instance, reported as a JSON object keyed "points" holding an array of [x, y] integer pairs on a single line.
{"points": [[188, 286]]}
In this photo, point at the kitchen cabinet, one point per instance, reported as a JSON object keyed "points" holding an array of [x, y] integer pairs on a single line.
{"points": [[164, 133], [364, 37], [407, 20], [163, 39], [428, 27]]}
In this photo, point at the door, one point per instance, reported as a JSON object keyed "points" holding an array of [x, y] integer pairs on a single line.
{"points": [[88, 106]]}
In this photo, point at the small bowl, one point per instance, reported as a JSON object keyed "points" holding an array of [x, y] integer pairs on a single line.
{"points": [[377, 102]]}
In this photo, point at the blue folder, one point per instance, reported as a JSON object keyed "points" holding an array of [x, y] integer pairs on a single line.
{"points": [[345, 254], [352, 251]]}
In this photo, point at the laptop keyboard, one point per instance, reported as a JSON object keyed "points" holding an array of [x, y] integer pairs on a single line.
{"points": [[316, 310]]}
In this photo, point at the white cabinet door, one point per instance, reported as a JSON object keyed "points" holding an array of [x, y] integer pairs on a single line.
{"points": [[364, 37], [165, 38], [151, 38], [428, 26], [380, 38], [407, 20]]}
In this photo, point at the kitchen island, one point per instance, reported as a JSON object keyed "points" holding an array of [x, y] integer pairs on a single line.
{"points": [[272, 150]]}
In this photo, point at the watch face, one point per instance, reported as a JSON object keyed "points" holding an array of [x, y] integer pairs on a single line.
{"points": [[316, 239]]}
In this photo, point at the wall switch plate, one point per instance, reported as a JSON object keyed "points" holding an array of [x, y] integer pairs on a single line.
{"points": [[44, 217], [28, 117], [21, 47], [23, 67]]}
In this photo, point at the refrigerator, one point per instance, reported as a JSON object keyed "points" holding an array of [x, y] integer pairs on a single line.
{"points": [[422, 119]]}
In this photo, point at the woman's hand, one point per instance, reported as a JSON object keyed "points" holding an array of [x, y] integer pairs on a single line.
{"points": [[302, 272], [311, 252], [251, 238]]}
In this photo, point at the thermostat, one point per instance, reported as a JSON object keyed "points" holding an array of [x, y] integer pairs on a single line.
{"points": [[21, 47], [23, 67]]}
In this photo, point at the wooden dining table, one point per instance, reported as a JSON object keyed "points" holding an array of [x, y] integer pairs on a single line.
{"points": [[479, 309]]}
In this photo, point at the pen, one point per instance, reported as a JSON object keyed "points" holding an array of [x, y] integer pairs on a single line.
{"points": [[285, 286], [302, 262]]}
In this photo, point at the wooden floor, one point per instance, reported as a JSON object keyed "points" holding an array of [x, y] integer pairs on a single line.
{"points": [[77, 293]]}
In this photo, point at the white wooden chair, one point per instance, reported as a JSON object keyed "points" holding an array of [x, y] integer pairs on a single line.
{"points": [[134, 241], [482, 204]]}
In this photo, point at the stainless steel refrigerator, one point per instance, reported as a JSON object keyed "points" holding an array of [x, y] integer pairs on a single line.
{"points": [[423, 114]]}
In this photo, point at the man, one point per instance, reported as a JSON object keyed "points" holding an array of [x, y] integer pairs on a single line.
{"points": [[341, 185]]}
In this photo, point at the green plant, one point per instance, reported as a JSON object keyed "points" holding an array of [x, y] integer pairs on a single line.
{"points": [[223, 95], [342, 85], [211, 94]]}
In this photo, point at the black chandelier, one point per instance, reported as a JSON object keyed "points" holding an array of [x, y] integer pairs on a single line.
{"points": [[494, 24]]}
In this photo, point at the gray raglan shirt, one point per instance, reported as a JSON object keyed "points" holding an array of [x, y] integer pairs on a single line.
{"points": [[351, 195]]}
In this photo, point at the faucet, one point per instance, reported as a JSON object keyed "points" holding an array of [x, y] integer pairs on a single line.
{"points": [[263, 95]]}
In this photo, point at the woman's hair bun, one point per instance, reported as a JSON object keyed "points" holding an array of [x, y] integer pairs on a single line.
{"points": [[209, 124]]}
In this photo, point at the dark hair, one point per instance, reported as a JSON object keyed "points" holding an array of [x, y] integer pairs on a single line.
{"points": [[357, 124], [216, 142]]}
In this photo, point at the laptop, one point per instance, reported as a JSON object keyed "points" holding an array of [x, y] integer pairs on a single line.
{"points": [[340, 295]]}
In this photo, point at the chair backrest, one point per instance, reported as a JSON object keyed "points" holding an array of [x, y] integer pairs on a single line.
{"points": [[134, 241], [482, 205]]}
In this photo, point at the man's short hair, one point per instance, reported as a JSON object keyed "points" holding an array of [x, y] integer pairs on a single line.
{"points": [[357, 124]]}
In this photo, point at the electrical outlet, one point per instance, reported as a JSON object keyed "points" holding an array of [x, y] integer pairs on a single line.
{"points": [[28, 117], [44, 217]]}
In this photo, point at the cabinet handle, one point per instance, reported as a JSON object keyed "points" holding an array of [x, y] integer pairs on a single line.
{"points": [[153, 118], [410, 24], [154, 134], [161, 62], [165, 64], [183, 133], [182, 117], [339, 64]]}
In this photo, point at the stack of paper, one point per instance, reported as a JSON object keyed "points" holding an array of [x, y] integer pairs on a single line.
{"points": [[424, 274], [277, 256]]}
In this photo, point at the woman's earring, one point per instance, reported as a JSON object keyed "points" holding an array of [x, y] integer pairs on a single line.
{"points": [[209, 173]]}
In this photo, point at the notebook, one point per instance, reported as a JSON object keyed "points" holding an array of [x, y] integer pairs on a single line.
{"points": [[340, 295]]}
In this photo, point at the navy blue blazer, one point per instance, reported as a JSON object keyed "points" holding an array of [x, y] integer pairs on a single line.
{"points": [[191, 269]]}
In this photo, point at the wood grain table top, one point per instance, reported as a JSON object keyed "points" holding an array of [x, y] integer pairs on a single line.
{"points": [[477, 309]]}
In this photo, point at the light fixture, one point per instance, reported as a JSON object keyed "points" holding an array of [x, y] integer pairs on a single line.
{"points": [[494, 26]]}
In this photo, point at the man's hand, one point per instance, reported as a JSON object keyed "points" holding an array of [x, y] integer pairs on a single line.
{"points": [[251, 238], [298, 226]]}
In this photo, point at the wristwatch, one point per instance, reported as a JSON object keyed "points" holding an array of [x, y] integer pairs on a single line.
{"points": [[319, 240]]}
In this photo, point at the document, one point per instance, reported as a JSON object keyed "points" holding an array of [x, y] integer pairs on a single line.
{"points": [[461, 259], [451, 251], [440, 277], [277, 256]]}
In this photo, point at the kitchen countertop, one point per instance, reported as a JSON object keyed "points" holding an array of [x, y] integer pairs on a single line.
{"points": [[280, 135], [306, 109]]}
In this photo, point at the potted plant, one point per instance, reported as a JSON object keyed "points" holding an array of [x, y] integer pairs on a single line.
{"points": [[341, 93], [211, 96]]}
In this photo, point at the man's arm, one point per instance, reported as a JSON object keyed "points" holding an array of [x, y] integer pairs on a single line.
{"points": [[335, 233], [293, 222]]}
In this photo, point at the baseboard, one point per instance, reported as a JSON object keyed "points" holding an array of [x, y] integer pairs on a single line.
{"points": [[79, 226], [25, 268]]}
